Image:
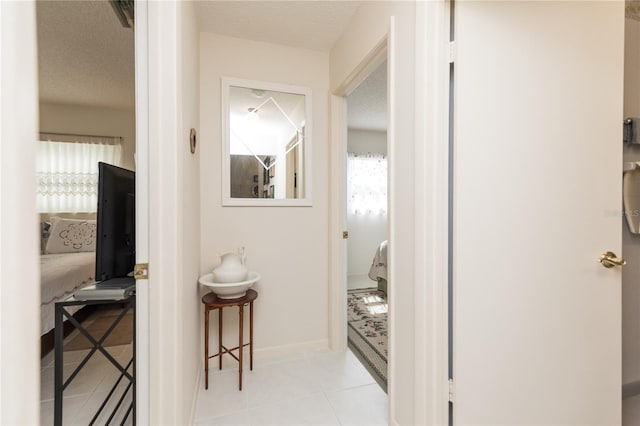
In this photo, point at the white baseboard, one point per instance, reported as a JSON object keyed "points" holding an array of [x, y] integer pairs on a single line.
{"points": [[196, 392], [293, 349]]}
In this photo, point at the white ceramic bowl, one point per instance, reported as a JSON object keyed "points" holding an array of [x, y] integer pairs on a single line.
{"points": [[229, 290]]}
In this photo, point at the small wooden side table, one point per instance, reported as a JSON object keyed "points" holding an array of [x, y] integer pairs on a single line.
{"points": [[211, 302]]}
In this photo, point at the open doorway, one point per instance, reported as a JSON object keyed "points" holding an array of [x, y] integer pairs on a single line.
{"points": [[87, 115], [366, 219]]}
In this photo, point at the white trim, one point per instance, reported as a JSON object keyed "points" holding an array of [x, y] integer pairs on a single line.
{"points": [[226, 83], [295, 348], [391, 226], [196, 390], [338, 197], [431, 255], [371, 61], [165, 388], [337, 224], [19, 267], [142, 210]]}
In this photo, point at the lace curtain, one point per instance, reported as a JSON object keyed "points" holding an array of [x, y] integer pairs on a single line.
{"points": [[367, 184], [67, 171]]}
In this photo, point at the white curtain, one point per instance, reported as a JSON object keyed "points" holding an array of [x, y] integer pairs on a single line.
{"points": [[67, 171], [367, 184]]}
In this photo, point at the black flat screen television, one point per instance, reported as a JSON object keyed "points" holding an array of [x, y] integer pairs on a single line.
{"points": [[115, 239]]}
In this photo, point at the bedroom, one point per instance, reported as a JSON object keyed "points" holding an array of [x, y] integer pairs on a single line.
{"points": [[367, 202], [87, 115]]}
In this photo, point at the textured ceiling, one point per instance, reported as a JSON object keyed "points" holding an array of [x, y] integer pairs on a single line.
{"points": [[85, 56], [310, 24], [367, 104]]}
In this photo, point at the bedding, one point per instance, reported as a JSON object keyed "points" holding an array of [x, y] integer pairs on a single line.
{"points": [[60, 276], [378, 269], [71, 236]]}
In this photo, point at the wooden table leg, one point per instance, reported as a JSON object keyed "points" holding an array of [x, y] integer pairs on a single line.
{"points": [[206, 348], [251, 336], [220, 338], [240, 348]]}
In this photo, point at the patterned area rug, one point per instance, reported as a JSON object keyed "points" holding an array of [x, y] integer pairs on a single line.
{"points": [[367, 330]]}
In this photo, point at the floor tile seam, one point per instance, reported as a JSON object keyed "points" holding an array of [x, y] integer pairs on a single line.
{"points": [[201, 398], [77, 395], [349, 387], [98, 382], [333, 408], [199, 420], [106, 408], [283, 401], [293, 400], [364, 385]]}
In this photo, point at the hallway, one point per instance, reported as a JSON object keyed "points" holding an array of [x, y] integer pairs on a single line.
{"points": [[316, 388]]}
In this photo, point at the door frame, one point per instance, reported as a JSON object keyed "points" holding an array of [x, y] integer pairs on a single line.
{"points": [[337, 217], [431, 334], [19, 265], [20, 352], [142, 409], [430, 337]]}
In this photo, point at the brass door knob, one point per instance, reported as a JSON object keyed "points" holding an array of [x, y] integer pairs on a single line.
{"points": [[609, 260]]}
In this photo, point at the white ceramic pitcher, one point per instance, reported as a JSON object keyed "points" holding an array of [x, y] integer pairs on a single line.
{"points": [[232, 268]]}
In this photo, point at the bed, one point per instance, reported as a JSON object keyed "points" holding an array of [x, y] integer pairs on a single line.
{"points": [[67, 263], [378, 269], [61, 274]]}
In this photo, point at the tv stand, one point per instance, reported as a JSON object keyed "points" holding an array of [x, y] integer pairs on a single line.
{"points": [[127, 372]]}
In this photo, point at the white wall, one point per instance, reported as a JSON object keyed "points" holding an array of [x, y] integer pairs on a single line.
{"points": [[366, 232], [368, 28], [92, 120], [288, 246], [366, 141], [631, 242], [174, 218]]}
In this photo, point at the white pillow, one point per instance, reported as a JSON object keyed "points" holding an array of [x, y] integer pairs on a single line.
{"points": [[71, 236]]}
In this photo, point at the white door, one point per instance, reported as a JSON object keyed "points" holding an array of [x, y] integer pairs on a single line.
{"points": [[538, 169]]}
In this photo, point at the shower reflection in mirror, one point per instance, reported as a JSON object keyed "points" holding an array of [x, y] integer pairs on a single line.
{"points": [[266, 143]]}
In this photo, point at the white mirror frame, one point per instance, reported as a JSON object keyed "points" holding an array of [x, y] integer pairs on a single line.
{"points": [[227, 200]]}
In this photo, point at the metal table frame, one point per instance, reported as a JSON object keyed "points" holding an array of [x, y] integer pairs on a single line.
{"points": [[60, 385]]}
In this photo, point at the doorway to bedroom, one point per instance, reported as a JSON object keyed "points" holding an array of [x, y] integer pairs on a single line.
{"points": [[366, 219], [87, 115]]}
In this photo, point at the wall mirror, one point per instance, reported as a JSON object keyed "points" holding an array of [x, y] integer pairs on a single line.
{"points": [[266, 144]]}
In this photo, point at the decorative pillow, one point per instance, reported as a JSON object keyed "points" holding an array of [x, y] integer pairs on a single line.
{"points": [[71, 235], [45, 227]]}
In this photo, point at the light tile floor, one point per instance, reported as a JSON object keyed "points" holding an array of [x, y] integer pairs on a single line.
{"points": [[90, 387], [316, 388], [87, 390]]}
